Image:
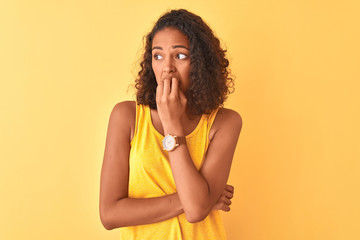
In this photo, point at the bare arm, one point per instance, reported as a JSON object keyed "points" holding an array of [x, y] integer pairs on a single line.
{"points": [[198, 191], [116, 209]]}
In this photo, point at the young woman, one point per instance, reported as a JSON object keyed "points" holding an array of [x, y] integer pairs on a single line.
{"points": [[168, 155]]}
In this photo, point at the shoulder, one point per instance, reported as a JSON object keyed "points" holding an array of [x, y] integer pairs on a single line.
{"points": [[123, 116], [128, 107], [229, 116], [227, 120]]}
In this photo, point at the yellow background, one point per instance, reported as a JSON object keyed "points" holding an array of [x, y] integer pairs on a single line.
{"points": [[65, 64]]}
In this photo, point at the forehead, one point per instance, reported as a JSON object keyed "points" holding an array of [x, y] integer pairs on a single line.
{"points": [[170, 36]]}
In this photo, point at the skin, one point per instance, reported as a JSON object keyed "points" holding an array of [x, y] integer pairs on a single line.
{"points": [[199, 192]]}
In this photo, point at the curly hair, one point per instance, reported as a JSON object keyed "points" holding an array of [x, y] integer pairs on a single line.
{"points": [[210, 82]]}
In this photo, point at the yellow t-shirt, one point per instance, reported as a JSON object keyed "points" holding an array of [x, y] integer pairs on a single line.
{"points": [[150, 175]]}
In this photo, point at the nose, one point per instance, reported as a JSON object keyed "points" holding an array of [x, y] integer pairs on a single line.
{"points": [[168, 66]]}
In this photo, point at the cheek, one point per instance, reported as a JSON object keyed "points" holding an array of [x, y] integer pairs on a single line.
{"points": [[155, 70]]}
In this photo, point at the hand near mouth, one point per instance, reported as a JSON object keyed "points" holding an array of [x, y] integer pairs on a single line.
{"points": [[171, 104]]}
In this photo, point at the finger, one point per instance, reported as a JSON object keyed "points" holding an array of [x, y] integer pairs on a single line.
{"points": [[229, 195], [174, 87], [230, 188], [227, 201], [226, 208], [159, 91], [166, 90], [182, 96]]}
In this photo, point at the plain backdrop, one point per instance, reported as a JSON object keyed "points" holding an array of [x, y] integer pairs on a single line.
{"points": [[65, 64]]}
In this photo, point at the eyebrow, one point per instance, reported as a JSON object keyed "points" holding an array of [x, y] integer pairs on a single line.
{"points": [[175, 46]]}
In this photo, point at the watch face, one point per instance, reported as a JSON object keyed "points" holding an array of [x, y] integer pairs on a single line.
{"points": [[169, 143]]}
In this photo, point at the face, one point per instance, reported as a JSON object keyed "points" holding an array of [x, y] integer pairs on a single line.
{"points": [[171, 57]]}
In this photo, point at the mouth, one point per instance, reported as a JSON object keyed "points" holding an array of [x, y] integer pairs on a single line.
{"points": [[171, 77]]}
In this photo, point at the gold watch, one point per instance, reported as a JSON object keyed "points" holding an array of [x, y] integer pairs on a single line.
{"points": [[170, 142]]}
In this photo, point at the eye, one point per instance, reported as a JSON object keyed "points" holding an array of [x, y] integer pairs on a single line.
{"points": [[181, 56], [157, 57]]}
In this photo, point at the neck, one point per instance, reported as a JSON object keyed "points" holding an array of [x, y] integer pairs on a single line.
{"points": [[190, 115]]}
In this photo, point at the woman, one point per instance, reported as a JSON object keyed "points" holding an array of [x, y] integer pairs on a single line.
{"points": [[168, 155]]}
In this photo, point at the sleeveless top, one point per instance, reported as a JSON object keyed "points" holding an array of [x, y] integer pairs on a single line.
{"points": [[150, 175]]}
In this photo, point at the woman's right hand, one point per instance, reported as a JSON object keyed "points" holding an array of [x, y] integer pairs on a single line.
{"points": [[224, 201]]}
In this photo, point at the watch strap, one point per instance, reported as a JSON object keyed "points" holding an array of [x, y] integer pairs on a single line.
{"points": [[180, 140]]}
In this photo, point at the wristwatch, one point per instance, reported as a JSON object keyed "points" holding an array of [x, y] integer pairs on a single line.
{"points": [[170, 142]]}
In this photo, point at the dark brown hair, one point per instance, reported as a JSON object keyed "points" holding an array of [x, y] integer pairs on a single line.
{"points": [[209, 75]]}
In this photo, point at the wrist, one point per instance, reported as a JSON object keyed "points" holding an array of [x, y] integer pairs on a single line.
{"points": [[174, 129]]}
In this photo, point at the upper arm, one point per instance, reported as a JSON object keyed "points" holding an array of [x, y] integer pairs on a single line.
{"points": [[216, 167], [115, 168]]}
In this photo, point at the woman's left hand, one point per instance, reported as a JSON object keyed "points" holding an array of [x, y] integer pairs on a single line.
{"points": [[171, 103], [224, 202]]}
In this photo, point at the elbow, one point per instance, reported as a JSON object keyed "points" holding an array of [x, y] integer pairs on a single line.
{"points": [[197, 211], [106, 220], [196, 216], [110, 220], [195, 219], [112, 216], [108, 226]]}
